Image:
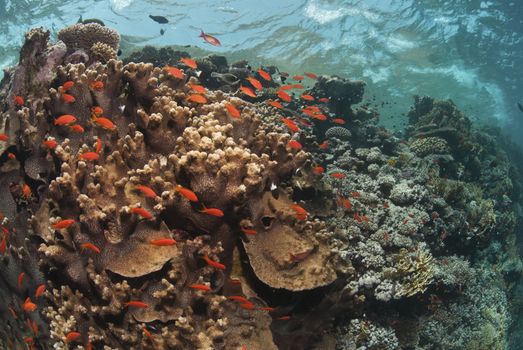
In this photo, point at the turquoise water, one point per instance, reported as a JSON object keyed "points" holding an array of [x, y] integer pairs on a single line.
{"points": [[469, 51]]}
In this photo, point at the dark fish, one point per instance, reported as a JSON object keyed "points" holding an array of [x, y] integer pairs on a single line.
{"points": [[162, 31], [520, 107], [119, 53], [159, 19]]}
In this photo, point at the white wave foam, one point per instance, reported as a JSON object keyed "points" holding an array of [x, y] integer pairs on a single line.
{"points": [[120, 4], [324, 15]]}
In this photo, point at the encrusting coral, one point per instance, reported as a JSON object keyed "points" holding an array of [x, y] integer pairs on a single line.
{"points": [[153, 207]]}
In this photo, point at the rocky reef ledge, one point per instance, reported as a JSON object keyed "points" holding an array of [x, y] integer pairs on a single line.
{"points": [[171, 207]]}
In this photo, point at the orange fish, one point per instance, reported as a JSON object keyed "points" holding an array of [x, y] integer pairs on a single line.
{"points": [[266, 308], [67, 85], [197, 88], [307, 97], [298, 86], [197, 98], [203, 287], [247, 306], [142, 212], [187, 193], [62, 224], [338, 121], [98, 146], [337, 175], [175, 72], [163, 242], [4, 137], [18, 100], [137, 303], [266, 76], [275, 104], [212, 211], [213, 263], [67, 98], [210, 39], [238, 298], [324, 99], [255, 82], [97, 85], [311, 75], [189, 62], [51, 144], [147, 333], [89, 156], [248, 91], [11, 156], [284, 318], [77, 128], [233, 111], [72, 336], [290, 124], [3, 245], [345, 202], [286, 87], [248, 231], [21, 279], [90, 246], [318, 170], [355, 194], [301, 214], [65, 119], [294, 145], [298, 77], [26, 191], [324, 145], [386, 205], [39, 291], [284, 96], [97, 111], [105, 123], [28, 305], [146, 191]]}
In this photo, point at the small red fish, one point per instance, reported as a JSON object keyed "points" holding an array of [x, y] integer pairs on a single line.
{"points": [[298, 77], [91, 247], [77, 128], [284, 318], [247, 306], [67, 98], [3, 245], [65, 119], [266, 76], [311, 75], [39, 291], [137, 303], [146, 191], [203, 287], [318, 170], [298, 86], [187, 193], [28, 305], [357, 217], [67, 85], [307, 97], [212, 211], [290, 124], [248, 91], [105, 123], [355, 194], [142, 212], [197, 98], [255, 82], [324, 99], [72, 336], [345, 203], [11, 156], [98, 147], [189, 62], [248, 231], [26, 191], [286, 87], [321, 117], [294, 145], [238, 298], [338, 121], [213, 263], [267, 308], [51, 144], [163, 242], [337, 175], [97, 85], [97, 111], [324, 145], [175, 72], [301, 214], [284, 96], [233, 111], [275, 104], [147, 333], [62, 224], [18, 100], [89, 156], [210, 39], [4, 137], [197, 88], [21, 279]]}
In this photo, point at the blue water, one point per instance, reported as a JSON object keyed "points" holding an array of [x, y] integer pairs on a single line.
{"points": [[469, 51]]}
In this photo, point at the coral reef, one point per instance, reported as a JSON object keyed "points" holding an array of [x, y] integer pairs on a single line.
{"points": [[148, 206]]}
